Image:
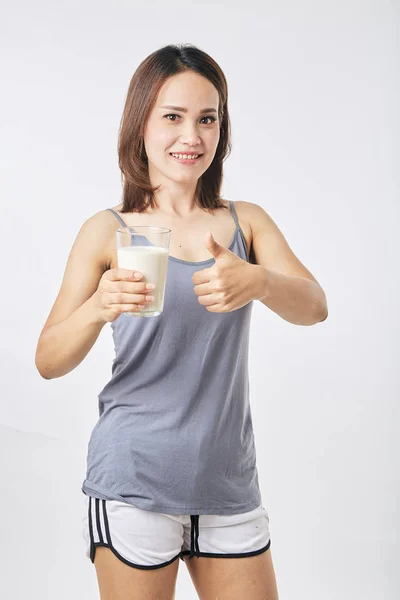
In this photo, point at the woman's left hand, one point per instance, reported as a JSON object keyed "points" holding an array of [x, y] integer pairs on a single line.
{"points": [[230, 283]]}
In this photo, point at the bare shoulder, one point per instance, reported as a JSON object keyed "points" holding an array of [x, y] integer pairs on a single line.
{"points": [[97, 230], [86, 263], [103, 225], [249, 212], [259, 222], [269, 246], [252, 213], [244, 218]]}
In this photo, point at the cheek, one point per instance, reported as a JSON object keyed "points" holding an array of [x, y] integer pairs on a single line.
{"points": [[216, 138], [211, 140], [159, 138]]}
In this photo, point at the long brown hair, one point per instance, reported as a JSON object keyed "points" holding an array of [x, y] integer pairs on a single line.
{"points": [[138, 194]]}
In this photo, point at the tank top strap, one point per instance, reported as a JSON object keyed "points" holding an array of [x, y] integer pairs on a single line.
{"points": [[234, 215], [239, 230], [117, 216]]}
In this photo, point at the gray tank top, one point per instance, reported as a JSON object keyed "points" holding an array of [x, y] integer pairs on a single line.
{"points": [[175, 432]]}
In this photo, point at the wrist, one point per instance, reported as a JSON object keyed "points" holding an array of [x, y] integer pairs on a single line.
{"points": [[94, 311], [262, 282]]}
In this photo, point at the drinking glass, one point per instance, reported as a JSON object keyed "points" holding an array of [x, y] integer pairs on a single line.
{"points": [[145, 248]]}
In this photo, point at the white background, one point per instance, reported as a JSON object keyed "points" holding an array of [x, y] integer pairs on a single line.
{"points": [[313, 93]]}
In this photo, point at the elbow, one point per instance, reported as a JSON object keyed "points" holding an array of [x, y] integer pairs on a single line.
{"points": [[322, 313], [41, 372], [40, 368], [49, 371], [321, 306], [324, 317], [44, 376]]}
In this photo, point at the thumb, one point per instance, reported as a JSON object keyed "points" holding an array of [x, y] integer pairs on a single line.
{"points": [[216, 249]]}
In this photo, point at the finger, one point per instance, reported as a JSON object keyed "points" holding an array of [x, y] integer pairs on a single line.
{"points": [[124, 274], [207, 300], [201, 276], [216, 308], [130, 287], [126, 298], [203, 289], [128, 307]]}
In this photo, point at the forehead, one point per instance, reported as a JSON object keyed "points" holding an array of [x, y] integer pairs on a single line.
{"points": [[189, 90]]}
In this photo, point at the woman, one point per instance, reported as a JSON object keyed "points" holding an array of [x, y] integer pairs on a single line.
{"points": [[171, 466]]}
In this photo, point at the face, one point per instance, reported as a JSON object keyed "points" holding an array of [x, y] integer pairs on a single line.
{"points": [[189, 131]]}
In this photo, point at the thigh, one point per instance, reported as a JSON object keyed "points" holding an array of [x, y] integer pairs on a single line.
{"points": [[252, 577], [230, 556], [119, 581], [135, 551]]}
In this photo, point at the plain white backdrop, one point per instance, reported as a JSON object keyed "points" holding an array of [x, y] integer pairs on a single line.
{"points": [[313, 99]]}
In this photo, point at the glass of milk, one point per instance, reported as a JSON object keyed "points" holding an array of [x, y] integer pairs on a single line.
{"points": [[146, 249]]}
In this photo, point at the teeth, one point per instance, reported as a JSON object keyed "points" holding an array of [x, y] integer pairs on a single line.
{"points": [[180, 156]]}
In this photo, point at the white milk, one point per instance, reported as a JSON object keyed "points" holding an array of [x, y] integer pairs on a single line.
{"points": [[152, 262]]}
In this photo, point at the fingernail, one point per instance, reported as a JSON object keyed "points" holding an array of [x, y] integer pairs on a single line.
{"points": [[137, 275], [150, 286]]}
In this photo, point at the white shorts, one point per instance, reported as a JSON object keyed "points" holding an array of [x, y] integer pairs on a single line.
{"points": [[150, 540]]}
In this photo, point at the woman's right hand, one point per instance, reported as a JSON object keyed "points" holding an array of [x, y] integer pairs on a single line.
{"points": [[119, 291]]}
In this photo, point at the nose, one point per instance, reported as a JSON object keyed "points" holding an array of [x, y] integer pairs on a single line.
{"points": [[190, 136]]}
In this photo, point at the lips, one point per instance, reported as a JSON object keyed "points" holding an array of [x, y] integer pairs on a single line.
{"points": [[198, 154], [186, 161]]}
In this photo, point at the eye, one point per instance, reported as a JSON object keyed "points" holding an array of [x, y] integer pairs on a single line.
{"points": [[170, 115], [213, 119]]}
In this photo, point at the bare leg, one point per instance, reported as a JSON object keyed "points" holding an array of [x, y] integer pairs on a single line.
{"points": [[251, 577], [118, 581]]}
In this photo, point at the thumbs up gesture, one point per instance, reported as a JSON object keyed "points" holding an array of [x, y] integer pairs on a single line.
{"points": [[229, 284]]}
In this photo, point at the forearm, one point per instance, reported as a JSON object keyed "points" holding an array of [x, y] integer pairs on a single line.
{"points": [[63, 346], [298, 300]]}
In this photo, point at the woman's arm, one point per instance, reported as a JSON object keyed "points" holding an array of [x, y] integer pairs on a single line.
{"points": [[298, 300], [74, 323], [286, 286], [63, 346]]}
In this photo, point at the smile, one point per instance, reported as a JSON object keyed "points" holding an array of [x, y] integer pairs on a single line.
{"points": [[184, 160]]}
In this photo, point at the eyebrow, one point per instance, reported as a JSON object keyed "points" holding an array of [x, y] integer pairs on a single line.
{"points": [[181, 109]]}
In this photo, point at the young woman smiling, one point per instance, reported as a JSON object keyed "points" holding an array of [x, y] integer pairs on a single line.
{"points": [[171, 465]]}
